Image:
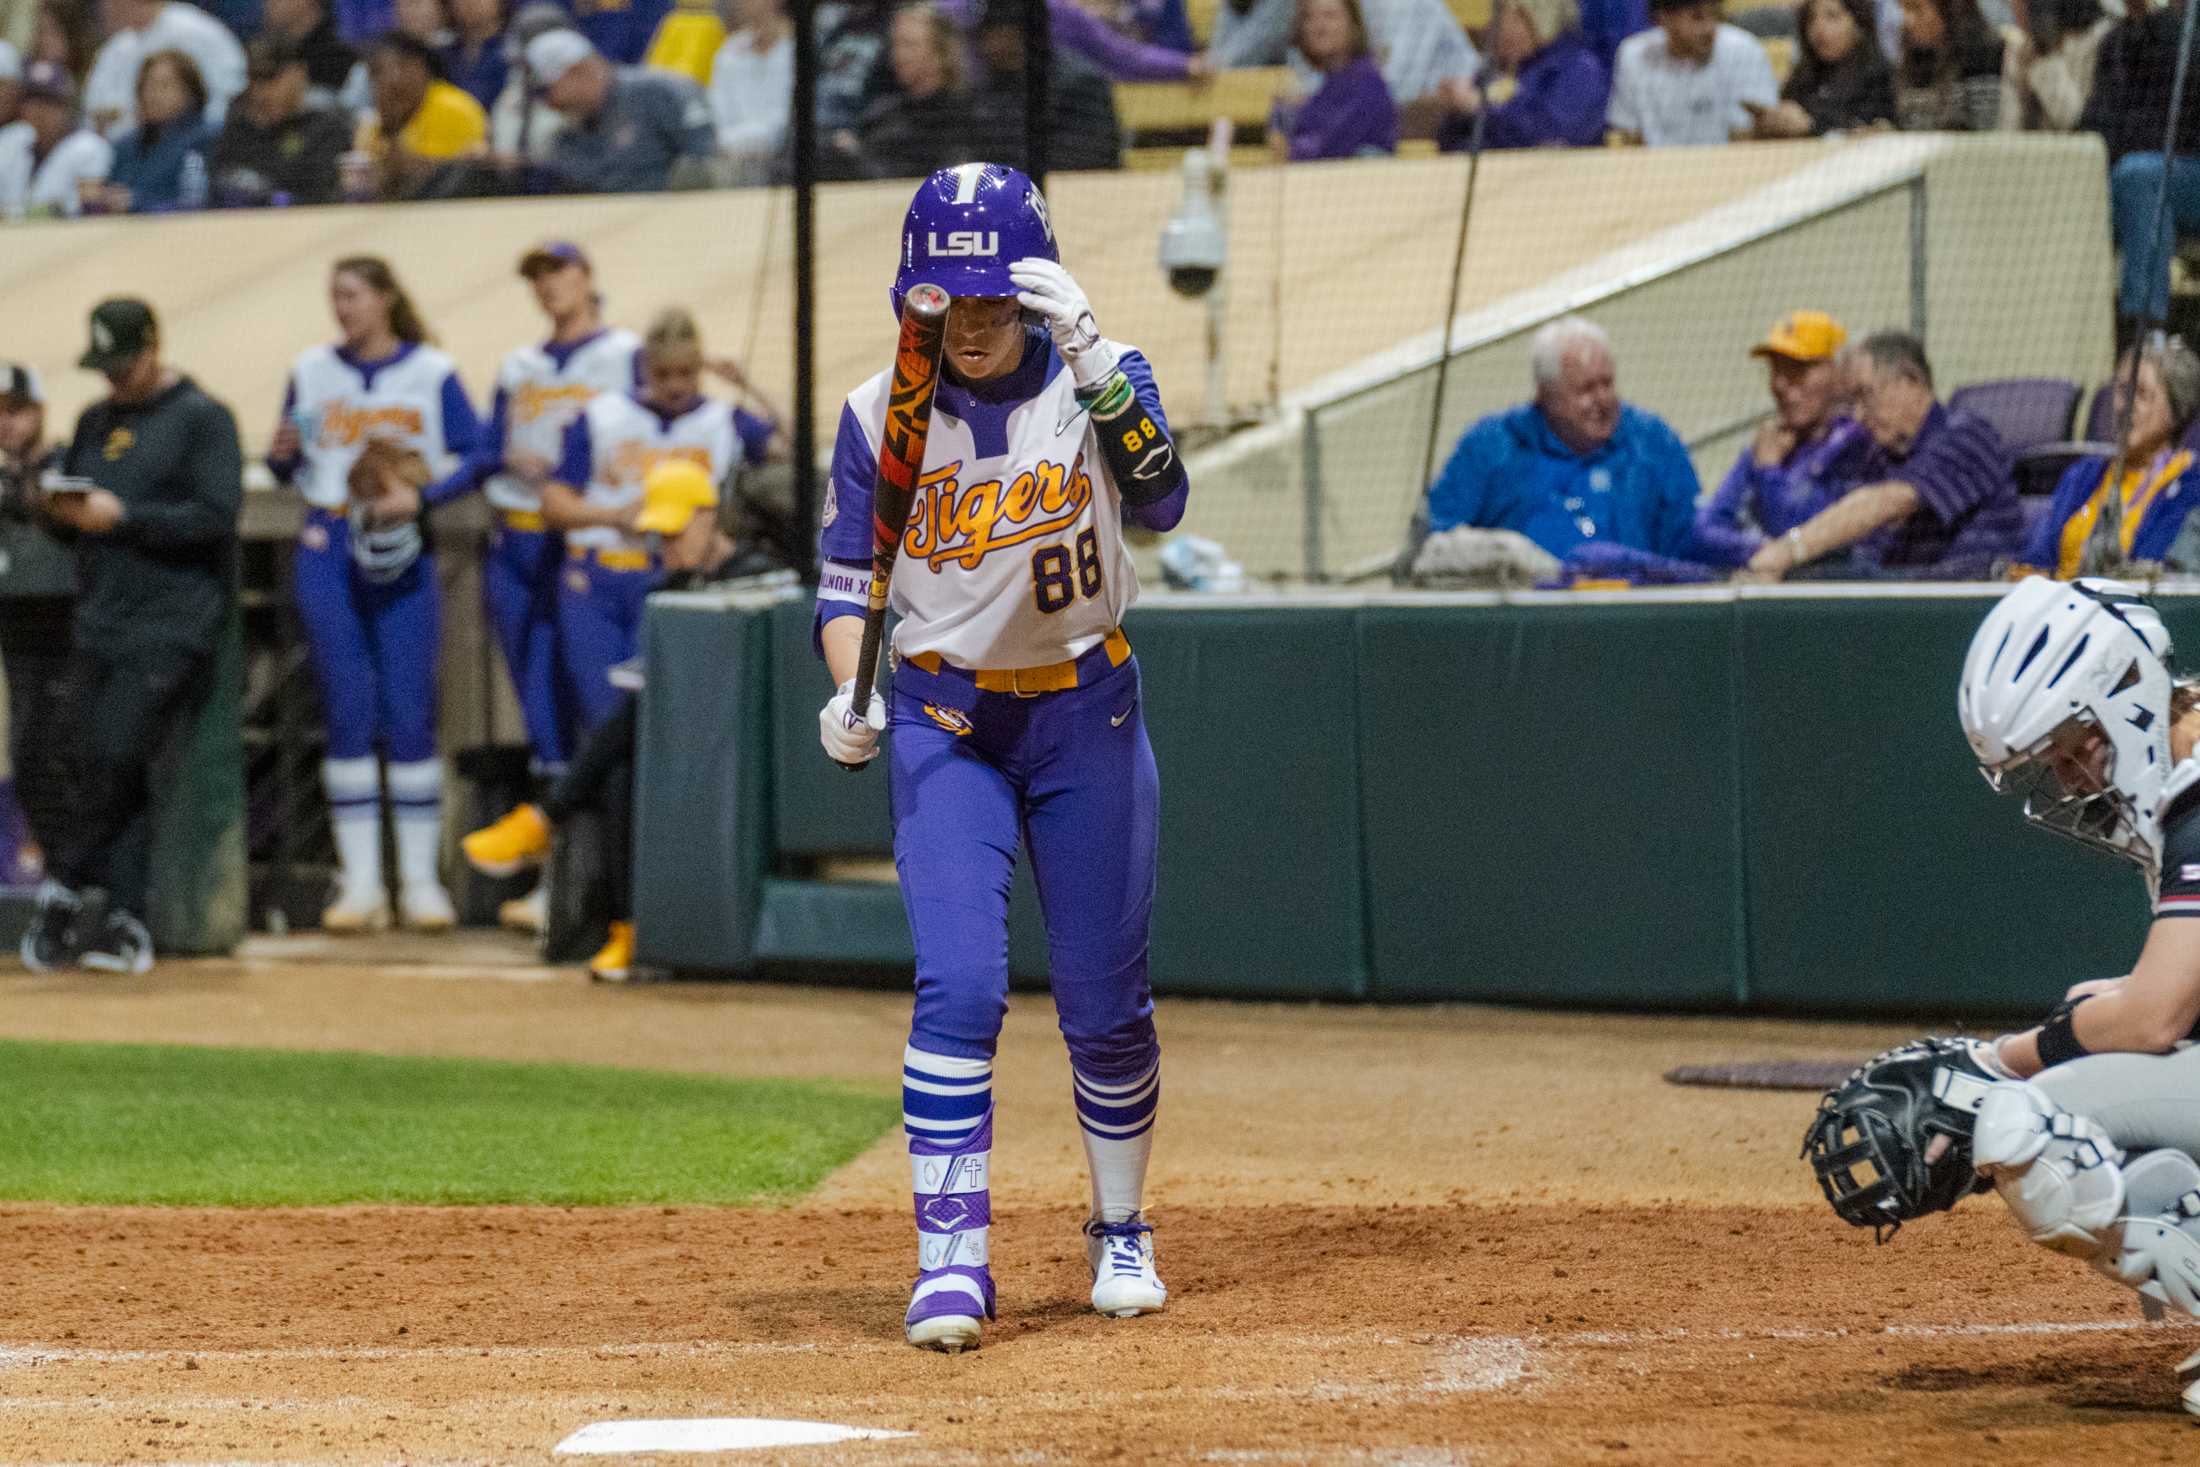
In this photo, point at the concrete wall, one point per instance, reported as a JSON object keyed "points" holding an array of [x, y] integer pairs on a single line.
{"points": [[2011, 287]]}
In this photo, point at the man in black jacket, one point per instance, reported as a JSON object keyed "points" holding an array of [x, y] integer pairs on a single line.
{"points": [[1084, 131], [276, 148], [155, 482]]}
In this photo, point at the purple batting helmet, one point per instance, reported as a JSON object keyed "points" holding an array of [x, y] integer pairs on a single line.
{"points": [[966, 225]]}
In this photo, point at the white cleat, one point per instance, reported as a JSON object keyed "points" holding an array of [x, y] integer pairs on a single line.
{"points": [[1124, 1282], [349, 916], [428, 908], [950, 1334], [2188, 1376]]}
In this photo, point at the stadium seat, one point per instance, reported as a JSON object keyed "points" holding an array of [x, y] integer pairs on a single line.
{"points": [[2026, 411], [2100, 418], [2039, 469], [1157, 112]]}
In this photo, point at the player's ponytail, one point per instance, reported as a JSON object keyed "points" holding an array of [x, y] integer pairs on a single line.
{"points": [[374, 272]]}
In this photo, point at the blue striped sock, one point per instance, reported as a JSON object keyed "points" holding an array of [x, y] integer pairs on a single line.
{"points": [[1117, 1120]]}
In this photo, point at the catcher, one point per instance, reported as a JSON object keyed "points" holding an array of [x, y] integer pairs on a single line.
{"points": [[2088, 1123]]}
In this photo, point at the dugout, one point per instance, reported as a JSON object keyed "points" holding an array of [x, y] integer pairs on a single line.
{"points": [[1729, 799]]}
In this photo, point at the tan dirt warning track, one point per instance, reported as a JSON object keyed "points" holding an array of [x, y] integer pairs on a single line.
{"points": [[1403, 1236]]}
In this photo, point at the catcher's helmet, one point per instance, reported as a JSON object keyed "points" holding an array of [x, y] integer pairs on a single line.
{"points": [[1867, 1143], [967, 225]]}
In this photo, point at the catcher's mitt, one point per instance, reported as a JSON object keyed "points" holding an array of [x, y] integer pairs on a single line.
{"points": [[1868, 1141], [382, 459]]}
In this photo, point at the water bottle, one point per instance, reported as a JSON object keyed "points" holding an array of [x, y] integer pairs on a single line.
{"points": [[191, 191]]}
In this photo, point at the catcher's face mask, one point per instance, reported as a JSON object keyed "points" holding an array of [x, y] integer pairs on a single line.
{"points": [[2068, 784]]}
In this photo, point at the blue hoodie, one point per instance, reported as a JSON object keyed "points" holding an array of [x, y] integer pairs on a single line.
{"points": [[1511, 472]]}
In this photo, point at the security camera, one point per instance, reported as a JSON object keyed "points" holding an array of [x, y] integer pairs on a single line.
{"points": [[1193, 245]]}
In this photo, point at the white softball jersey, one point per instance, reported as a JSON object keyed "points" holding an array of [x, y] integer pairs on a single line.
{"points": [[542, 389], [338, 402], [1014, 554], [617, 439]]}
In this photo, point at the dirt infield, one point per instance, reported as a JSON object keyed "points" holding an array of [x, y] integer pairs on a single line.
{"points": [[1397, 1236]]}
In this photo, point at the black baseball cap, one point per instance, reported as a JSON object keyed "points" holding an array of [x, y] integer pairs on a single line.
{"points": [[19, 386], [121, 328]]}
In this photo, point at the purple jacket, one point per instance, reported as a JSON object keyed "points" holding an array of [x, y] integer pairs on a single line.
{"points": [[1350, 114], [1754, 502], [1559, 97]]}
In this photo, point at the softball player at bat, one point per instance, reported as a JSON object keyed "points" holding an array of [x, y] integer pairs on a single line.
{"points": [[540, 390], [2088, 1124], [1015, 710], [365, 585], [595, 492]]}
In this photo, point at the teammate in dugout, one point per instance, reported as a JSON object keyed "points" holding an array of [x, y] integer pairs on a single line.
{"points": [[2088, 1124], [1015, 711], [365, 584]]}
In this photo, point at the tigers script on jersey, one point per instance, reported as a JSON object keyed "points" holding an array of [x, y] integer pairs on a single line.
{"points": [[1013, 555], [339, 402], [542, 389]]}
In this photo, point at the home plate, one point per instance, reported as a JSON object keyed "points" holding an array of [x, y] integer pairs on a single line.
{"points": [[720, 1434]]}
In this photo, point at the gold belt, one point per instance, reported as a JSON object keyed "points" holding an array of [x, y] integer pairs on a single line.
{"points": [[1026, 682], [618, 560]]}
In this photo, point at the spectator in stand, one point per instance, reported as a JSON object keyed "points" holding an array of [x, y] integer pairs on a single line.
{"points": [[1120, 54], [1935, 499], [1840, 82], [160, 164], [276, 148], [11, 82], [1690, 79], [1948, 78], [142, 27], [928, 121], [156, 531], [1544, 85], [2129, 108], [1575, 466], [1081, 109], [1251, 33], [2159, 487], [47, 158], [309, 27], [474, 60], [752, 87], [64, 34], [420, 122], [37, 603], [628, 129], [852, 72], [620, 29], [1349, 114], [366, 591], [1804, 460], [522, 123], [424, 21], [2047, 71]]}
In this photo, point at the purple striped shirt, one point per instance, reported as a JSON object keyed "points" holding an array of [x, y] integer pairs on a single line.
{"points": [[1967, 516]]}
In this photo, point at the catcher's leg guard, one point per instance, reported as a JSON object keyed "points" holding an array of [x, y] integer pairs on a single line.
{"points": [[2158, 1247], [2060, 1174]]}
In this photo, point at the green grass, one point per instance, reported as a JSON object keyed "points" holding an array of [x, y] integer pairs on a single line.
{"points": [[131, 1123]]}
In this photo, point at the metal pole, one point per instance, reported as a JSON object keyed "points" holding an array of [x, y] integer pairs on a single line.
{"points": [[1917, 257], [804, 142], [1038, 90], [2108, 533], [1310, 474], [1458, 270]]}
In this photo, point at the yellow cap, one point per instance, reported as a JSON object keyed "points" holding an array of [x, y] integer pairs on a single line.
{"points": [[671, 494], [1802, 336]]}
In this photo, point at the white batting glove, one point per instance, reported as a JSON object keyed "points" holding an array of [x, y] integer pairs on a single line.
{"points": [[1048, 290], [849, 739]]}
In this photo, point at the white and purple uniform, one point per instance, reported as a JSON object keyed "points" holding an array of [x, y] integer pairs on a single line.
{"points": [[374, 642], [606, 453], [541, 390], [1013, 559]]}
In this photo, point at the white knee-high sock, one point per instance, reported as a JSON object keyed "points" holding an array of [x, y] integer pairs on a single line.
{"points": [[355, 815], [416, 793], [1116, 1119]]}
